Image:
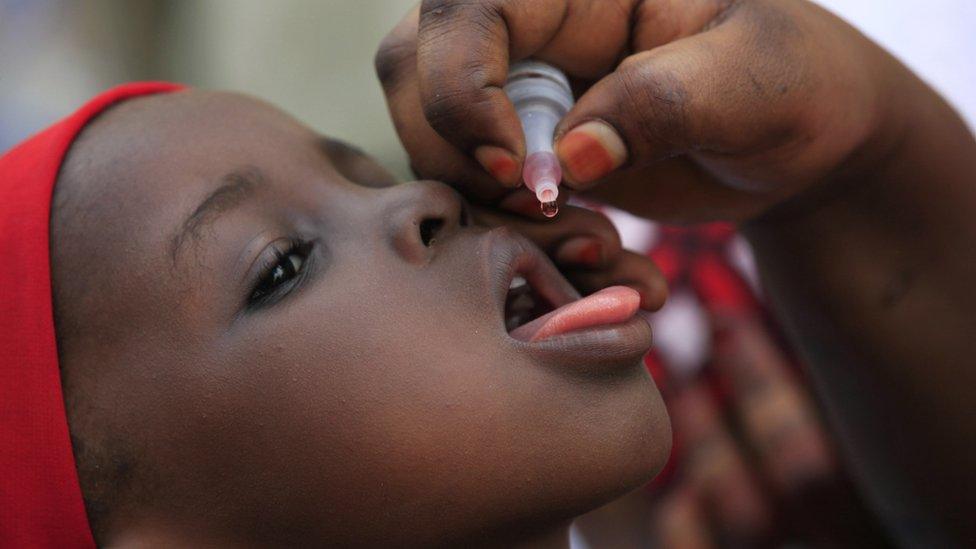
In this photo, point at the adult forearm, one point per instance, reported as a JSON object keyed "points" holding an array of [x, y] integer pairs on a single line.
{"points": [[875, 282]]}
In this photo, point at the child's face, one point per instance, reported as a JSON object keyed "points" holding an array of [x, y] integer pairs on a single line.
{"points": [[286, 346]]}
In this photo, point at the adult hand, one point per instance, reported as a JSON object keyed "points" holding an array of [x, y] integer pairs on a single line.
{"points": [[586, 247], [707, 109]]}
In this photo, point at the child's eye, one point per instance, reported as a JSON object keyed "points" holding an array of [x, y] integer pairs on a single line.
{"points": [[279, 275]]}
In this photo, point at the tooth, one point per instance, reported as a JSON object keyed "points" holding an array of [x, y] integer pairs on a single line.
{"points": [[517, 282]]}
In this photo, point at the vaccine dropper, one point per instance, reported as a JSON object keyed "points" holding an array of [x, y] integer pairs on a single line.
{"points": [[542, 97]]}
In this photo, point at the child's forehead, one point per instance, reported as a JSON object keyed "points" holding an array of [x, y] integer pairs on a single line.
{"points": [[144, 164], [165, 147], [195, 124], [195, 134]]}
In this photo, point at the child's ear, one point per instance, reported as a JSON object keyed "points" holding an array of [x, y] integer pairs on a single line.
{"points": [[586, 247]]}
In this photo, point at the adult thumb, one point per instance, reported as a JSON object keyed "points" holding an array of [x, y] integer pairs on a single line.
{"points": [[657, 104]]}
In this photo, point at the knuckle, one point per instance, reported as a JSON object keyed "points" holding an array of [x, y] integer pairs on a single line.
{"points": [[443, 108], [441, 8], [773, 29], [450, 111], [393, 57], [434, 11], [657, 103], [445, 16]]}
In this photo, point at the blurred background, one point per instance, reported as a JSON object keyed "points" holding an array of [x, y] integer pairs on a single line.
{"points": [[314, 59], [311, 57]]}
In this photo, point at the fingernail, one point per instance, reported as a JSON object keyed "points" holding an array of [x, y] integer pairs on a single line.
{"points": [[586, 251], [591, 150], [500, 163]]}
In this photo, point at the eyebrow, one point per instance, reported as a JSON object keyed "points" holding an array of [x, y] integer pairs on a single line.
{"points": [[236, 187]]}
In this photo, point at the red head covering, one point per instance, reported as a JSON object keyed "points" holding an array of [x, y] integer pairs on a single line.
{"points": [[40, 499]]}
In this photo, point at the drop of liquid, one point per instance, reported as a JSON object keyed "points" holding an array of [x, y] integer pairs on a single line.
{"points": [[550, 209]]}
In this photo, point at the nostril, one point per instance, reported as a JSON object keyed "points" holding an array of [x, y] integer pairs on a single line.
{"points": [[429, 228]]}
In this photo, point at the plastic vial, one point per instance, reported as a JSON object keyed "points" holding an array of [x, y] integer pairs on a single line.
{"points": [[542, 97]]}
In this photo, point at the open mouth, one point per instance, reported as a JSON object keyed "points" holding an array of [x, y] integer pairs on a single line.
{"points": [[541, 304], [523, 304]]}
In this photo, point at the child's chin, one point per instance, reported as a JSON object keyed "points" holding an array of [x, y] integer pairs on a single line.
{"points": [[646, 454], [632, 452]]}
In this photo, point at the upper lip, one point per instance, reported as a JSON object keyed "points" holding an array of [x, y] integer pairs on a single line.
{"points": [[509, 255]]}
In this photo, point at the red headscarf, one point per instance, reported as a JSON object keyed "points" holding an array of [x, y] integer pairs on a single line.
{"points": [[40, 499]]}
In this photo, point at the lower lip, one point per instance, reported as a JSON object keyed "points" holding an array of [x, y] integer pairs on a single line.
{"points": [[598, 350]]}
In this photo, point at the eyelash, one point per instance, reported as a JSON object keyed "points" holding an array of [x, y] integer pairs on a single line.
{"points": [[279, 274]]}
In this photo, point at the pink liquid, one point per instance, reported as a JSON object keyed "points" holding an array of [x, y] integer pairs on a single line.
{"points": [[542, 166], [549, 209]]}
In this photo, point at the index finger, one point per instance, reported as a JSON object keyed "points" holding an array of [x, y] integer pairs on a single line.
{"points": [[431, 156], [463, 56]]}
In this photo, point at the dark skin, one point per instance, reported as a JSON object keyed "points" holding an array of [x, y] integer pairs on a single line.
{"points": [[371, 395], [852, 179]]}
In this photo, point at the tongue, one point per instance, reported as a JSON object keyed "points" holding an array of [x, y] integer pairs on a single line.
{"points": [[610, 306]]}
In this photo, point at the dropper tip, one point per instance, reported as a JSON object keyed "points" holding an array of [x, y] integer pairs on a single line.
{"points": [[548, 194]]}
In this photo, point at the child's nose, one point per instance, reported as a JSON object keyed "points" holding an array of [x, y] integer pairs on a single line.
{"points": [[420, 215]]}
